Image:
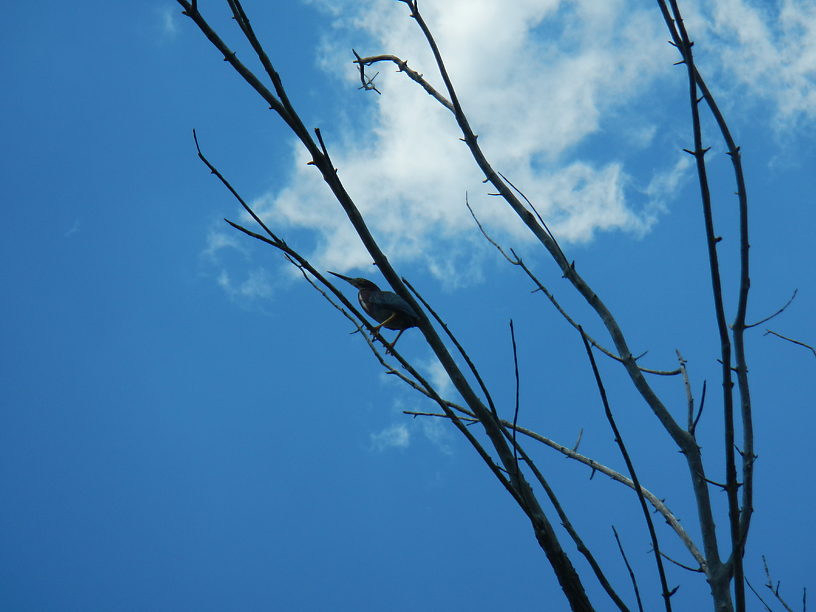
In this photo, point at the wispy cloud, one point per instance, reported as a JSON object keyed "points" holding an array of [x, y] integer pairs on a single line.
{"points": [[168, 16], [405, 430], [254, 282], [770, 49], [436, 375], [438, 432], [393, 436]]}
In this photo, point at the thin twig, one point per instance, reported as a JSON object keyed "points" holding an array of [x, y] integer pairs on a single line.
{"points": [[776, 314], [698, 570], [774, 588], [517, 261], [657, 503], [632, 577], [758, 596], [700, 411], [516, 408], [778, 335], [631, 468], [458, 345]]}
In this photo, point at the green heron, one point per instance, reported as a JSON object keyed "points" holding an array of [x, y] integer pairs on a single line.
{"points": [[389, 309]]}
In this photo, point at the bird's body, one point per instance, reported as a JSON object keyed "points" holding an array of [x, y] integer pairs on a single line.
{"points": [[386, 307]]}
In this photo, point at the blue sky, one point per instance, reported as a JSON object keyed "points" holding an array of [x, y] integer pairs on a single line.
{"points": [[186, 425]]}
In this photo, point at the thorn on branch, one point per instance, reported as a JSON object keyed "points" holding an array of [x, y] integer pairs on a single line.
{"points": [[578, 441], [719, 485]]}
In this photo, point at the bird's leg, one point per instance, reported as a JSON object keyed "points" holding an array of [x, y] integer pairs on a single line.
{"points": [[376, 329], [389, 347]]}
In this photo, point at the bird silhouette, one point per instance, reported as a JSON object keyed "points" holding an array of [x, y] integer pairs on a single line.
{"points": [[386, 307]]}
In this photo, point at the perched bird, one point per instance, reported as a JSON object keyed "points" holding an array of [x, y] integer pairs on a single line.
{"points": [[386, 307]]}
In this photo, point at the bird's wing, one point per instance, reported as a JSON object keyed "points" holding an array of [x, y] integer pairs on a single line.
{"points": [[392, 302]]}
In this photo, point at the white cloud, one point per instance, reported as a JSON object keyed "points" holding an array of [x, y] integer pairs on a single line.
{"points": [[438, 431], [256, 284], [393, 436], [437, 376], [770, 49], [562, 95], [536, 78]]}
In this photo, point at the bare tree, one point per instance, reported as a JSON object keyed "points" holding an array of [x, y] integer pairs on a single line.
{"points": [[503, 443]]}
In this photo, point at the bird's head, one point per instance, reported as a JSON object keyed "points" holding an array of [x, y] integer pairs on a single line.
{"points": [[359, 283]]}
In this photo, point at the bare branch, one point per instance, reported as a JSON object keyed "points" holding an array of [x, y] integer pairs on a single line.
{"points": [[778, 335], [698, 570], [758, 596], [658, 504], [774, 588], [700, 411], [776, 314], [516, 409], [403, 67], [738, 521], [517, 261], [631, 468], [687, 386], [304, 264], [628, 569]]}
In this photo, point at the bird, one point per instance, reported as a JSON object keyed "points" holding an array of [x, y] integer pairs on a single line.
{"points": [[386, 307]]}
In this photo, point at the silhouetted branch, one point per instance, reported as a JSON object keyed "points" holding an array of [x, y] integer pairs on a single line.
{"points": [[517, 261], [776, 314], [778, 335], [628, 569], [700, 410], [516, 409], [303, 264], [758, 596], [631, 468], [518, 487], [737, 521]]}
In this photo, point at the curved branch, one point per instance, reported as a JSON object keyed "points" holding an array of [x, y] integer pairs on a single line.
{"points": [[658, 504], [630, 466], [517, 261], [403, 67]]}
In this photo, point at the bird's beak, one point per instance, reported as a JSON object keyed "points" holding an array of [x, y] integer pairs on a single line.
{"points": [[345, 278]]}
